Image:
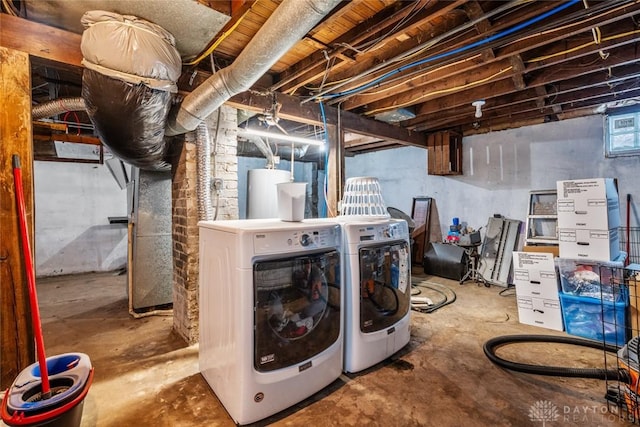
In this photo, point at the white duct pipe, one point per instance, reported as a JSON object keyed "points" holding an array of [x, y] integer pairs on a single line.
{"points": [[264, 148], [289, 23], [203, 154]]}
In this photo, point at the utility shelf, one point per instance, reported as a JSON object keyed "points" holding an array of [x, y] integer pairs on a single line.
{"points": [[542, 218]]}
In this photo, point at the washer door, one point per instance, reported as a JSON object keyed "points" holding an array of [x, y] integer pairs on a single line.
{"points": [[384, 285], [296, 309]]}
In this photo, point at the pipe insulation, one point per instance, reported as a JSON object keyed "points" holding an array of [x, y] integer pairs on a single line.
{"points": [[57, 106], [289, 23], [203, 154], [128, 84]]}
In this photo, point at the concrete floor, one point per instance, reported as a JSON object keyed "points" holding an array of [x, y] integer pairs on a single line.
{"points": [[146, 376]]}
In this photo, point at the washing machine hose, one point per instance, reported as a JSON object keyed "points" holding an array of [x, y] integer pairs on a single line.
{"points": [[493, 344], [382, 310]]}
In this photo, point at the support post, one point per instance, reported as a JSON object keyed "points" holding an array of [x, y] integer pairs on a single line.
{"points": [[16, 334]]}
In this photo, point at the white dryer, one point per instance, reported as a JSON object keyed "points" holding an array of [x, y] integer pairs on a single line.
{"points": [[377, 290], [270, 312]]}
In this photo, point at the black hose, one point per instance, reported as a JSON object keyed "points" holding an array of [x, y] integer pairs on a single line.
{"points": [[386, 311], [492, 345]]}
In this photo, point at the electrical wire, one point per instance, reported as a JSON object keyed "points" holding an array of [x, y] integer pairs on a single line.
{"points": [[325, 207], [403, 81], [448, 296], [363, 48], [439, 92], [503, 293], [424, 71], [420, 48], [220, 39], [371, 44], [582, 46], [461, 49], [10, 8]]}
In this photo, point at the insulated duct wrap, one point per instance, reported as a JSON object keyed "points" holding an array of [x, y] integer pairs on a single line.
{"points": [[132, 67]]}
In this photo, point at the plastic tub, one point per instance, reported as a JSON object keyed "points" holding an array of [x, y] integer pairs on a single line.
{"points": [[594, 319], [70, 376]]}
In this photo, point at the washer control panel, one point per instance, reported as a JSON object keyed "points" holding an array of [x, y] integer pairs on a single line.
{"points": [[283, 241]]}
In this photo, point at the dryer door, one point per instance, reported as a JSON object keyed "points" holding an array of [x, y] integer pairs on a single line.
{"points": [[296, 309], [385, 289]]}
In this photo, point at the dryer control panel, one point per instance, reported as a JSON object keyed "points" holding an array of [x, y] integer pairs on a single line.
{"points": [[304, 239], [383, 232]]}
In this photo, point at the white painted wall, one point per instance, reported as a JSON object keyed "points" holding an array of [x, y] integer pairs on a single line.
{"points": [[499, 170], [72, 232]]}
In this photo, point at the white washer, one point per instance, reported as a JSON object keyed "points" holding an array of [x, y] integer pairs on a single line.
{"points": [[270, 312], [377, 290]]}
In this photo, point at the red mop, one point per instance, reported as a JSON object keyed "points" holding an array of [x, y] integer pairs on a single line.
{"points": [[31, 279], [628, 236]]}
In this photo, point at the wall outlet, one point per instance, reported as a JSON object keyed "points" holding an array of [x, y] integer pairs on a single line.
{"points": [[217, 183]]}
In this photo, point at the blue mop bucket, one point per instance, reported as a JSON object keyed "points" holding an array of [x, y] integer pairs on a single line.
{"points": [[70, 376]]}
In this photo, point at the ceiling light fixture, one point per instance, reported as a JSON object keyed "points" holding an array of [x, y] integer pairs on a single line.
{"points": [[279, 136], [478, 104]]}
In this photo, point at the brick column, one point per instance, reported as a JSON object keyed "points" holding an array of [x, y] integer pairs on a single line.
{"points": [[185, 213]]}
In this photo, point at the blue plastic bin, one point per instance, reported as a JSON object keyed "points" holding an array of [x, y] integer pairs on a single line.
{"points": [[594, 319]]}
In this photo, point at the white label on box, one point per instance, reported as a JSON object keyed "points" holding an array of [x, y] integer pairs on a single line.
{"points": [[567, 235], [597, 203], [548, 275], [565, 205], [599, 234], [551, 304], [521, 275], [525, 303]]}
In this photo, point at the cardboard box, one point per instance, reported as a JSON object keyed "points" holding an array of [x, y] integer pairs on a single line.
{"points": [[536, 282], [540, 312], [596, 245], [588, 204], [534, 275]]}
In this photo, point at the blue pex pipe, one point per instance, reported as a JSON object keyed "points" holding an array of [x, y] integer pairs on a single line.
{"points": [[494, 37]]}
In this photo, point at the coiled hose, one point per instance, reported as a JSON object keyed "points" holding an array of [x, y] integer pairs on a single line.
{"points": [[493, 344]]}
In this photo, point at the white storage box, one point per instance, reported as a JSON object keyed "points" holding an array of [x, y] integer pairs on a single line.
{"points": [[595, 245], [536, 282], [534, 275], [588, 204], [541, 312]]}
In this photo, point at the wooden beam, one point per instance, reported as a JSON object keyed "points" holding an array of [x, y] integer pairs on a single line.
{"points": [[335, 172], [310, 113], [16, 337], [40, 40], [67, 137]]}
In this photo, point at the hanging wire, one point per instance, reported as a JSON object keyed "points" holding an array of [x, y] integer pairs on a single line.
{"points": [[220, 39], [447, 54]]}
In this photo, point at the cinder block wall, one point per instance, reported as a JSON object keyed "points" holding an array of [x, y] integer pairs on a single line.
{"points": [[185, 213]]}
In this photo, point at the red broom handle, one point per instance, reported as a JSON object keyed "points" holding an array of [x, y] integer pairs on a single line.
{"points": [[31, 279], [628, 236]]}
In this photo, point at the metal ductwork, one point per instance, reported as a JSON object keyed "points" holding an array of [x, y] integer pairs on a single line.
{"points": [[251, 148], [57, 106], [290, 22]]}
